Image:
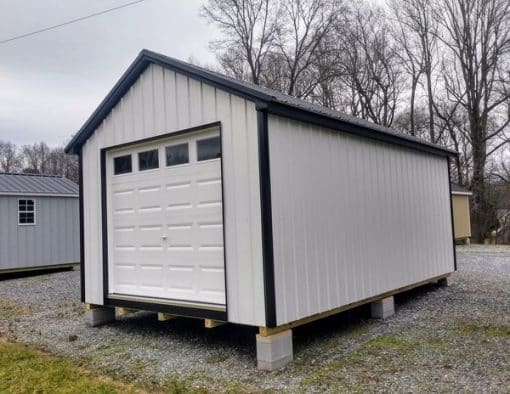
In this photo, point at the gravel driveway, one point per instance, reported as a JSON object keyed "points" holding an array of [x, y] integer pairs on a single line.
{"points": [[441, 339]]}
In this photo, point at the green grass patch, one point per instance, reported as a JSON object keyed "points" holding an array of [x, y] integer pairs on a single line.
{"points": [[385, 355], [23, 370], [484, 329], [10, 310]]}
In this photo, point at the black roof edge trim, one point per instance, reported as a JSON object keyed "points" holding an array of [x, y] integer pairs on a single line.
{"points": [[350, 128], [262, 101]]}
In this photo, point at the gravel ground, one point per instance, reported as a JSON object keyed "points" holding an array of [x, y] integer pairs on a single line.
{"points": [[441, 339]]}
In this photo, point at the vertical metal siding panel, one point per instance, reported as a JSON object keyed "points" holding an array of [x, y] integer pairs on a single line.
{"points": [[237, 174], [137, 108], [147, 102], [158, 99], [171, 117], [92, 216], [253, 229], [187, 103], [363, 213], [14, 235], [209, 103], [182, 100], [195, 102], [3, 234]]}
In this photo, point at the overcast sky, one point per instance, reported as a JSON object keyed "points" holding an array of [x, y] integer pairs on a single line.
{"points": [[51, 82]]}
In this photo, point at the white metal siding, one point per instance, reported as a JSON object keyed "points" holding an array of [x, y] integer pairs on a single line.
{"points": [[162, 101], [54, 239], [352, 218]]}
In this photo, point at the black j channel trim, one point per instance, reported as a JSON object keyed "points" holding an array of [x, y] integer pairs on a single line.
{"points": [[82, 226], [178, 310], [451, 213], [185, 311], [267, 219]]}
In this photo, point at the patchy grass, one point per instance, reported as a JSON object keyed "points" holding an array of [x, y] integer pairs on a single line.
{"points": [[23, 370], [484, 329], [10, 310], [385, 355]]}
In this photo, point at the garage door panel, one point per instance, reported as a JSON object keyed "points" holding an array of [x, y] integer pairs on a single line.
{"points": [[181, 235], [211, 235], [166, 230], [180, 278], [178, 196], [151, 276]]}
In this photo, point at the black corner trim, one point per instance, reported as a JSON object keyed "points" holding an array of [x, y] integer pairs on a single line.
{"points": [[451, 213], [199, 313], [104, 223], [82, 227], [267, 220]]}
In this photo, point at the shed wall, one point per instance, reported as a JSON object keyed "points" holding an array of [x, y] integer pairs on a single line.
{"points": [[162, 101], [461, 218], [54, 239], [352, 218]]}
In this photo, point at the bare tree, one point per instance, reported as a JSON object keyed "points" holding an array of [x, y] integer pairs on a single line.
{"points": [[416, 33], [10, 160], [476, 35], [36, 158], [305, 26], [372, 77], [249, 28]]}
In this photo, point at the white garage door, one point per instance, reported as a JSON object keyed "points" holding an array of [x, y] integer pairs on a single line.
{"points": [[165, 222]]}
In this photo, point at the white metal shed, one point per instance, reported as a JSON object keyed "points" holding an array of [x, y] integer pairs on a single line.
{"points": [[209, 197]]}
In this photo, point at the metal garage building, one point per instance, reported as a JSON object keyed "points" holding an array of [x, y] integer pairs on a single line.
{"points": [[39, 222], [209, 197]]}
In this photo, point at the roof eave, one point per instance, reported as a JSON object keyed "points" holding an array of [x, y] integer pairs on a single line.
{"points": [[286, 110], [34, 194]]}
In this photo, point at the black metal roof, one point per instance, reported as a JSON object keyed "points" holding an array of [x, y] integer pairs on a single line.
{"points": [[35, 184], [267, 99]]}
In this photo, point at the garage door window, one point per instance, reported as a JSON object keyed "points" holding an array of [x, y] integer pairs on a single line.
{"points": [[148, 160], [26, 212], [177, 154], [122, 165], [208, 149]]}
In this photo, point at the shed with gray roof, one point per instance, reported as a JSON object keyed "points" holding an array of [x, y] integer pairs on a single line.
{"points": [[213, 198], [39, 222]]}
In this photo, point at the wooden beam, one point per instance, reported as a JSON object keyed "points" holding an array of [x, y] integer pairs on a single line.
{"points": [[209, 323], [119, 312], [165, 316], [266, 331]]}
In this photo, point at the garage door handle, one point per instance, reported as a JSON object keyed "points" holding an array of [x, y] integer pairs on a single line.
{"points": [[164, 237]]}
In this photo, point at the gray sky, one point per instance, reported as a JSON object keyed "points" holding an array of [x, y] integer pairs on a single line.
{"points": [[51, 82]]}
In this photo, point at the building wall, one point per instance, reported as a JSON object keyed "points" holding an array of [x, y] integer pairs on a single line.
{"points": [[162, 101], [352, 218], [461, 218], [54, 239]]}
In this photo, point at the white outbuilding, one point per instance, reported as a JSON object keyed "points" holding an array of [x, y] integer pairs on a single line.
{"points": [[209, 197]]}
